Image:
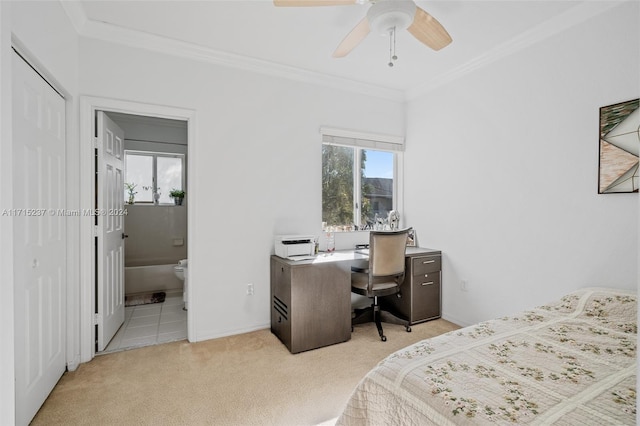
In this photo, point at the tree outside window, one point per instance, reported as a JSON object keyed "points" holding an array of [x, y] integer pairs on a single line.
{"points": [[353, 196]]}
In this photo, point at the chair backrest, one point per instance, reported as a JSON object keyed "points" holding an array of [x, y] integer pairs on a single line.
{"points": [[386, 252]]}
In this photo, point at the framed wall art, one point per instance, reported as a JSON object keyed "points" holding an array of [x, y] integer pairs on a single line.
{"points": [[619, 147]]}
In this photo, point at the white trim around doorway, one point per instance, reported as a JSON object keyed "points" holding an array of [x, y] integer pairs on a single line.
{"points": [[88, 107]]}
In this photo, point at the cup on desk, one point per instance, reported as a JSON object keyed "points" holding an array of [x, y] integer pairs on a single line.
{"points": [[331, 242]]}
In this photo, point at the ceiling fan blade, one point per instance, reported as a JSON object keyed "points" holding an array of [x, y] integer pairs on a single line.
{"points": [[357, 34], [428, 30], [302, 3]]}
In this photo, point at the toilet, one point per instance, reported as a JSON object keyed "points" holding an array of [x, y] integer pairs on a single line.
{"points": [[181, 271]]}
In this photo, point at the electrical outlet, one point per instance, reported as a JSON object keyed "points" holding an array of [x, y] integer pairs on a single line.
{"points": [[464, 285], [249, 289]]}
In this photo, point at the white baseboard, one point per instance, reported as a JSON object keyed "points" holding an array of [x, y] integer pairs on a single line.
{"points": [[212, 335], [455, 320], [73, 364]]}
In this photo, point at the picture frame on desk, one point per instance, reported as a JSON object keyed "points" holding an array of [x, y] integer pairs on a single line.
{"points": [[412, 238]]}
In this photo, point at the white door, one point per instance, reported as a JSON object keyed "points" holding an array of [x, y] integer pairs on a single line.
{"points": [[110, 216], [39, 238]]}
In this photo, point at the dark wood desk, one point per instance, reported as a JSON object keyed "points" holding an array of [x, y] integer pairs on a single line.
{"points": [[311, 299], [421, 290]]}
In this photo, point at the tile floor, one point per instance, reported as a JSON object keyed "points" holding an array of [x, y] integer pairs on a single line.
{"points": [[146, 325]]}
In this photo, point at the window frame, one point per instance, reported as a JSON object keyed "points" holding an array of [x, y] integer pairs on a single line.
{"points": [[154, 171], [360, 141]]}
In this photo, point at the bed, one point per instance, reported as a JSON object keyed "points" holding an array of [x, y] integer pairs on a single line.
{"points": [[570, 362]]}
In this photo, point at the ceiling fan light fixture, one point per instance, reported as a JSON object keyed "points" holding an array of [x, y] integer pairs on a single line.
{"points": [[385, 15]]}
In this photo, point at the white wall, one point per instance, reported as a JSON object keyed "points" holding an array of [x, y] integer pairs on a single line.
{"points": [[44, 35], [157, 235], [256, 167], [502, 169]]}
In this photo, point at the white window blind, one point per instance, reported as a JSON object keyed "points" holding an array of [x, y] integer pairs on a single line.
{"points": [[352, 138]]}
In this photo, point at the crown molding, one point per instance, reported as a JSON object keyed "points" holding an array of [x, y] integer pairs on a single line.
{"points": [[138, 39], [75, 12], [569, 18], [114, 34]]}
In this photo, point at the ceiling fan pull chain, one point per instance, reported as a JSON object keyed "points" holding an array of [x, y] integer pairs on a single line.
{"points": [[394, 57], [392, 46]]}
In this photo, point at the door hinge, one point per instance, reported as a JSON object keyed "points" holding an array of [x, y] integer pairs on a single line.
{"points": [[95, 142], [95, 231], [96, 319]]}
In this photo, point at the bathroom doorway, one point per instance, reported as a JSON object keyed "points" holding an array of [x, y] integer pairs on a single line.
{"points": [[155, 210], [90, 312]]}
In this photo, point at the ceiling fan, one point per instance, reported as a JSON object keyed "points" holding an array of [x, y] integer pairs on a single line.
{"points": [[384, 17]]}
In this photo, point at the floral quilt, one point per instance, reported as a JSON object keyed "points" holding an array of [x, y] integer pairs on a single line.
{"points": [[571, 362]]}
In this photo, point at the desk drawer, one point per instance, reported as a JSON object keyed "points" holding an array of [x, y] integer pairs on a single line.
{"points": [[426, 297], [424, 264]]}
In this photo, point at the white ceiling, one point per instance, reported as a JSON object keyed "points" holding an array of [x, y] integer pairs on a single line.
{"points": [[300, 41]]}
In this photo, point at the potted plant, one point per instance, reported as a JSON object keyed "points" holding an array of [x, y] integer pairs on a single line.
{"points": [[177, 195], [132, 192], [155, 193]]}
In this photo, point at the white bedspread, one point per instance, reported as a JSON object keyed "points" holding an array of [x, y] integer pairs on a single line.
{"points": [[572, 362]]}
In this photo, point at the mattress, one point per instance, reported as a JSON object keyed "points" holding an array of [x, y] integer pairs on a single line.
{"points": [[569, 362]]}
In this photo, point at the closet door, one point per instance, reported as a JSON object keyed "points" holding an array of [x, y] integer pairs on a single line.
{"points": [[39, 238]]}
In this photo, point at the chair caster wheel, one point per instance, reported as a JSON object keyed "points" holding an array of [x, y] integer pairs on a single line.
{"points": [[408, 329], [383, 338]]}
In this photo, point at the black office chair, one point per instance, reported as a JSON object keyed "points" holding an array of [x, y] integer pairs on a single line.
{"points": [[381, 276]]}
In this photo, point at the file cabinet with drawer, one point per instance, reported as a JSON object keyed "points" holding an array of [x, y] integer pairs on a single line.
{"points": [[311, 301], [421, 291]]}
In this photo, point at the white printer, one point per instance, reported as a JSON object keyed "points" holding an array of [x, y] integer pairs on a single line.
{"points": [[294, 245]]}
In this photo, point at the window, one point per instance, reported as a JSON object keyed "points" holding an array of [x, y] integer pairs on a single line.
{"points": [[359, 183], [153, 172]]}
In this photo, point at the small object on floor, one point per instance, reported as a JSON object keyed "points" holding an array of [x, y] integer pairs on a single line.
{"points": [[144, 298]]}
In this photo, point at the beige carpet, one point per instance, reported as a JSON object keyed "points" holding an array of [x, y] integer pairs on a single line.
{"points": [[249, 379]]}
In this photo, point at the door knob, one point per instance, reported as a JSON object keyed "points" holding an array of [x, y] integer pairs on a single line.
{"points": [[124, 236]]}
